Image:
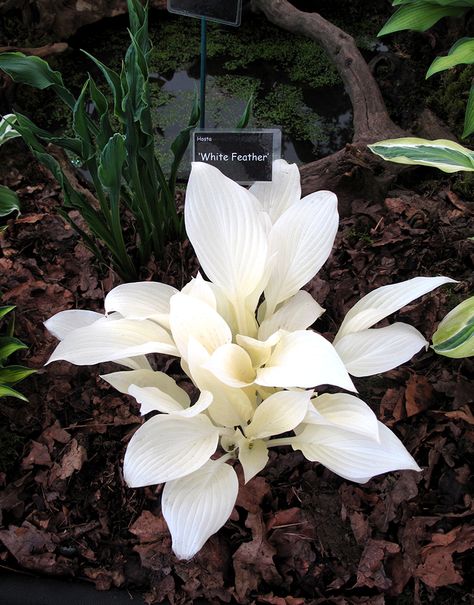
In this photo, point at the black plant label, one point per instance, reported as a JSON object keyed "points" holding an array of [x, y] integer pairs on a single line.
{"points": [[223, 11], [245, 156]]}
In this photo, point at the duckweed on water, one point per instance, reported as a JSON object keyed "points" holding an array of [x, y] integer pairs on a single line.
{"points": [[281, 70]]}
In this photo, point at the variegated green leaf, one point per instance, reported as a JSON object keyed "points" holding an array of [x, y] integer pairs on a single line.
{"points": [[7, 129], [455, 334], [9, 201], [440, 153]]}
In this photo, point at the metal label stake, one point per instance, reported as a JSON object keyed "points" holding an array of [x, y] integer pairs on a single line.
{"points": [[202, 121]]}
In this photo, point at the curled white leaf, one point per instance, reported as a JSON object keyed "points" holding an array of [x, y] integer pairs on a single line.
{"points": [[196, 506]]}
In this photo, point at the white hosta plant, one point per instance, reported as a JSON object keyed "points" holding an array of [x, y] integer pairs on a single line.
{"points": [[244, 341]]}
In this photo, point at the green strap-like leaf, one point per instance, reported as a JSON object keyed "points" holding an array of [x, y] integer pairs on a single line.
{"points": [[445, 155], [469, 117], [111, 163], [28, 129], [8, 346], [418, 16], [245, 118], [101, 105], [5, 310], [113, 80], [13, 374], [181, 142], [9, 392], [460, 53], [9, 201], [80, 122], [35, 72]]}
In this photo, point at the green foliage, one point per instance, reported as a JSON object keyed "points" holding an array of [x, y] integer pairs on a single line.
{"points": [[116, 147], [455, 334], [9, 202], [10, 375], [419, 15], [462, 52], [442, 154]]}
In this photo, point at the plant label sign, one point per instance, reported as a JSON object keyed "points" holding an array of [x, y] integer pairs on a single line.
{"points": [[228, 12], [245, 156]]}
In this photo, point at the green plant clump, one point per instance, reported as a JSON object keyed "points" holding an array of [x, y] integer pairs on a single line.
{"points": [[118, 153], [10, 375], [449, 99]]}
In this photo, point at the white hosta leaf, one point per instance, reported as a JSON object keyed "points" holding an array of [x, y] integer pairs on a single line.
{"points": [[304, 359], [281, 192], [386, 300], [344, 411], [259, 351], [168, 447], [297, 313], [64, 322], [374, 351], [148, 378], [152, 399], [253, 456], [141, 300], [230, 407], [197, 506], [352, 456], [139, 362], [301, 239], [232, 365], [279, 413], [112, 340], [224, 224], [192, 318], [224, 307], [202, 290]]}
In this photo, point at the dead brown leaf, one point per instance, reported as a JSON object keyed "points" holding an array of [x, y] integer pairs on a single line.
{"points": [[72, 461], [253, 561], [371, 572], [437, 567], [38, 455], [418, 394]]}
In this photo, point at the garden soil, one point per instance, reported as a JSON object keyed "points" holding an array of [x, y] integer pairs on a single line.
{"points": [[298, 534]]}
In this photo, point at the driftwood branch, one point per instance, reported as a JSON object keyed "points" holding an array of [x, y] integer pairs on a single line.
{"points": [[352, 172], [371, 119], [48, 50]]}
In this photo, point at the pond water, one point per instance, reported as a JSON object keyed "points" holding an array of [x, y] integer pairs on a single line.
{"points": [[293, 84]]}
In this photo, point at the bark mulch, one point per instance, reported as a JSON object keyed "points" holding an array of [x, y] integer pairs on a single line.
{"points": [[298, 534]]}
